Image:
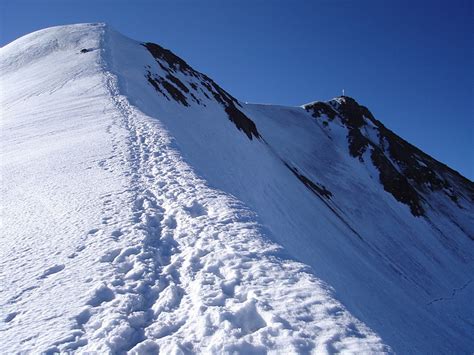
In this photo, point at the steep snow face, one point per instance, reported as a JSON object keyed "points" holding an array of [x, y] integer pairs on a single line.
{"points": [[112, 242], [413, 268], [383, 223], [149, 210], [406, 172]]}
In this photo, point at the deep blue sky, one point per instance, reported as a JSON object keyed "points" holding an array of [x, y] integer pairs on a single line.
{"points": [[410, 62]]}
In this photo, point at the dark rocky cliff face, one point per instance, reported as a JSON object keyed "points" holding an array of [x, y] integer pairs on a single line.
{"points": [[172, 88], [404, 171]]}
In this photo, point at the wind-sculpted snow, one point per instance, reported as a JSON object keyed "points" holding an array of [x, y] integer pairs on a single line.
{"points": [[149, 211]]}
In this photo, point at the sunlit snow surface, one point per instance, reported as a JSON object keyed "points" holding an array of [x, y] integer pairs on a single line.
{"points": [[133, 223]]}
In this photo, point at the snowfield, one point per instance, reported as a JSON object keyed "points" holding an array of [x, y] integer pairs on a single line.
{"points": [[144, 210]]}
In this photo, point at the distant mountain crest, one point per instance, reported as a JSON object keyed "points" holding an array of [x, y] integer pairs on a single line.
{"points": [[404, 170]]}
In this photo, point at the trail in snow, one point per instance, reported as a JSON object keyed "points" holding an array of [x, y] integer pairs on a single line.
{"points": [[192, 271], [141, 224]]}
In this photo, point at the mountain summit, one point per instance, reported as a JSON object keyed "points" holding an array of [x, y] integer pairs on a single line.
{"points": [[145, 209]]}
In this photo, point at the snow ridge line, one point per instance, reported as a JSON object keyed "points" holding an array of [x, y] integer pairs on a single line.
{"points": [[138, 280], [193, 272], [206, 262], [118, 310]]}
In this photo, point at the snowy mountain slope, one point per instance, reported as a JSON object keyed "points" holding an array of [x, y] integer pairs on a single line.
{"points": [[111, 242], [57, 123], [327, 207], [164, 199]]}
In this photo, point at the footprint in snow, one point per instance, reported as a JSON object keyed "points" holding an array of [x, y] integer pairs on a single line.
{"points": [[80, 248], [100, 295], [10, 317], [52, 270], [105, 220], [22, 292], [93, 231], [117, 233], [170, 222], [196, 209], [83, 317], [110, 255], [246, 318]]}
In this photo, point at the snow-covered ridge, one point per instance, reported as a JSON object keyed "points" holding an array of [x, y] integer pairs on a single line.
{"points": [[149, 210], [146, 256]]}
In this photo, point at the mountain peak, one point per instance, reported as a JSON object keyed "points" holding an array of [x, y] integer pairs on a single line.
{"points": [[172, 217], [403, 169]]}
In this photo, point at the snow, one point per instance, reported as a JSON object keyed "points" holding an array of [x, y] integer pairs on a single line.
{"points": [[121, 245], [142, 225]]}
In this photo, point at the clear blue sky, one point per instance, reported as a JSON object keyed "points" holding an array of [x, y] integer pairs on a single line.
{"points": [[410, 62]]}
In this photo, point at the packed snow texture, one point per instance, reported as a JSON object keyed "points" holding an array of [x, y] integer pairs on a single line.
{"points": [[133, 223]]}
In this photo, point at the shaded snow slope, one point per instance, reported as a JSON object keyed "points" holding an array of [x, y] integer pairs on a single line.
{"points": [[111, 240], [148, 209], [312, 181]]}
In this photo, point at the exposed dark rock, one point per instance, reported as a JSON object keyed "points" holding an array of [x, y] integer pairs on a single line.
{"points": [[173, 61], [85, 50], [205, 94], [160, 83], [404, 170], [216, 95], [351, 112], [358, 143], [174, 92], [178, 90], [155, 83], [352, 116], [397, 184], [242, 122], [416, 165], [177, 82], [325, 196], [196, 99], [316, 188], [321, 108]]}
